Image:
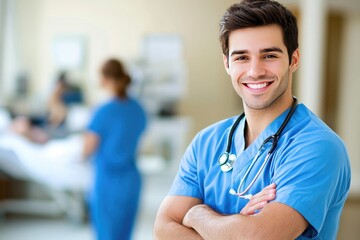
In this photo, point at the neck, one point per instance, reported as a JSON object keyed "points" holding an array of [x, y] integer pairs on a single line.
{"points": [[114, 94], [258, 120]]}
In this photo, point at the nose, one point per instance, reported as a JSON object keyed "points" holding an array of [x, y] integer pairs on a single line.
{"points": [[256, 69]]}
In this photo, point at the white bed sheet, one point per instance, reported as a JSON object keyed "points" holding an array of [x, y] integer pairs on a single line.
{"points": [[57, 164]]}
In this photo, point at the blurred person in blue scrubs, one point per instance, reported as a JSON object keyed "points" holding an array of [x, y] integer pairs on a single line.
{"points": [[113, 136], [276, 172], [64, 95]]}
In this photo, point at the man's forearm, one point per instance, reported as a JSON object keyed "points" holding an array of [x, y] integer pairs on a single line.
{"points": [[276, 221], [174, 231], [207, 223]]}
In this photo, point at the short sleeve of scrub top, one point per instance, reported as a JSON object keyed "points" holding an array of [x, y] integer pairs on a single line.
{"points": [[186, 181], [98, 121], [308, 177]]}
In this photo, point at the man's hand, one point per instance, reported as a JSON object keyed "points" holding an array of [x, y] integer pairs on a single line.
{"points": [[259, 200]]}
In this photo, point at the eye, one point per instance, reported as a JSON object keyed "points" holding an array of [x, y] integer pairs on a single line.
{"points": [[241, 58], [270, 56]]}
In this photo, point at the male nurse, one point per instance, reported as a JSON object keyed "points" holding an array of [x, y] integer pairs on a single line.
{"points": [[300, 192]]}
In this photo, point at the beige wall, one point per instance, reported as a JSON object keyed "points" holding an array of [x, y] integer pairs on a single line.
{"points": [[349, 105], [115, 28]]}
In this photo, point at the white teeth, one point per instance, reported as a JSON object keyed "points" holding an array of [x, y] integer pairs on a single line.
{"points": [[257, 85]]}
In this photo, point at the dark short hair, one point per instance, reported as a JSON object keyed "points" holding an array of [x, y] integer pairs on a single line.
{"points": [[113, 70], [253, 13]]}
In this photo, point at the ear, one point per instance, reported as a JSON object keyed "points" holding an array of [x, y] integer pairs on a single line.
{"points": [[226, 64], [295, 60]]}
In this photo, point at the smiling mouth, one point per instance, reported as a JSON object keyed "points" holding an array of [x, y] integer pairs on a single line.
{"points": [[257, 86]]}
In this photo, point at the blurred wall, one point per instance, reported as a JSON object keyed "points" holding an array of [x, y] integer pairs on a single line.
{"points": [[349, 104], [115, 28], [2, 14]]}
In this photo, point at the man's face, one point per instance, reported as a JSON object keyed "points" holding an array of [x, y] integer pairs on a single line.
{"points": [[258, 64]]}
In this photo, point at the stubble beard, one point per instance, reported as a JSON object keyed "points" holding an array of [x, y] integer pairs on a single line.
{"points": [[280, 91]]}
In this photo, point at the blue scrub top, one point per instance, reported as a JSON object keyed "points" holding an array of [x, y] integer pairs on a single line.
{"points": [[310, 167], [119, 125]]}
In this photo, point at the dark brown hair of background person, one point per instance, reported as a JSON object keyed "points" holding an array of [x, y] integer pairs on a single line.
{"points": [[113, 70], [254, 13]]}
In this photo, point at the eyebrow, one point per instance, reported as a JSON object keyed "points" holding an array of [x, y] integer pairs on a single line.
{"points": [[236, 52], [272, 49], [265, 50]]}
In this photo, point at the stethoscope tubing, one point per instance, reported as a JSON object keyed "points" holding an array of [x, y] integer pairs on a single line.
{"points": [[242, 194], [274, 138]]}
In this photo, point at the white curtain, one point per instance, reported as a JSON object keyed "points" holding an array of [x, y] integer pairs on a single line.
{"points": [[2, 18], [8, 53]]}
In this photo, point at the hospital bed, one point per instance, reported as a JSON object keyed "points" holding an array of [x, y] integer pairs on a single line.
{"points": [[65, 180]]}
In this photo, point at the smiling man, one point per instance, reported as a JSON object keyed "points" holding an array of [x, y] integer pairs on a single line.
{"points": [[276, 171]]}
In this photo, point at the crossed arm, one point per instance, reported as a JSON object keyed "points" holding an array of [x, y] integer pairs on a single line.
{"points": [[187, 218]]}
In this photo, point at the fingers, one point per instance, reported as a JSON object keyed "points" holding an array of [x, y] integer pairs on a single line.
{"points": [[259, 200], [271, 186], [267, 194], [250, 210]]}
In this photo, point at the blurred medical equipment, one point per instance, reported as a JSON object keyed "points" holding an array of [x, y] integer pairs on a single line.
{"points": [[227, 159]]}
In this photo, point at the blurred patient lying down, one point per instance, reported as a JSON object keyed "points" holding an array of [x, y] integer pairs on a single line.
{"points": [[58, 163], [23, 126], [31, 142]]}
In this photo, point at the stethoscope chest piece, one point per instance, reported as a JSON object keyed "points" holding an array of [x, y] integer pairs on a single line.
{"points": [[226, 161]]}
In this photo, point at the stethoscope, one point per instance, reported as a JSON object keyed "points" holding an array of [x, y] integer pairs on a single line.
{"points": [[227, 159]]}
